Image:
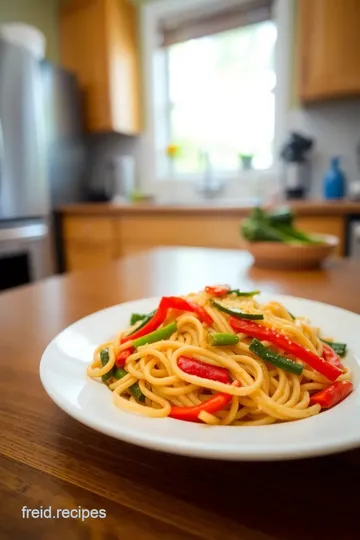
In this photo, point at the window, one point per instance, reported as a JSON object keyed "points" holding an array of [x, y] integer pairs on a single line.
{"points": [[220, 99]]}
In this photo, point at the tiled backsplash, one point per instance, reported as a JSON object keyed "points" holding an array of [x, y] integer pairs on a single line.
{"points": [[102, 147], [335, 126]]}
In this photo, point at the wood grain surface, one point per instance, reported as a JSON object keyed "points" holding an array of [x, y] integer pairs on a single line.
{"points": [[47, 458]]}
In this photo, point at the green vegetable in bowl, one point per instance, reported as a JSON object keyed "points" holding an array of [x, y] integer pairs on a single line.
{"points": [[276, 226], [281, 216]]}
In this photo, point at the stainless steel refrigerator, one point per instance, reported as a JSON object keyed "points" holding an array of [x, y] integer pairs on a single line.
{"points": [[42, 162]]}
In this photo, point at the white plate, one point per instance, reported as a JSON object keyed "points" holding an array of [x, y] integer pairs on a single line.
{"points": [[63, 374]]}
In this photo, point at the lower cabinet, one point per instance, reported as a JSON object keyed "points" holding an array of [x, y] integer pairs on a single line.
{"points": [[94, 240], [82, 254], [335, 225]]}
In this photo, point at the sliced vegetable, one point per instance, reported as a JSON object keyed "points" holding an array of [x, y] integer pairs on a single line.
{"points": [[339, 348], [264, 333], [120, 373], [276, 359], [176, 302], [243, 293], [121, 358], [134, 389], [223, 290], [157, 335], [191, 366], [217, 290], [135, 317], [222, 339], [152, 324], [333, 394], [235, 312], [104, 357], [136, 392], [330, 356], [191, 414], [166, 303]]}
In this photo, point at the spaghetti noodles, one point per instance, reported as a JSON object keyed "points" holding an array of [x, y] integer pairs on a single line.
{"points": [[221, 358]]}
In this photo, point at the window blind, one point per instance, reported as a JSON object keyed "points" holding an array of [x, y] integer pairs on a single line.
{"points": [[197, 24]]}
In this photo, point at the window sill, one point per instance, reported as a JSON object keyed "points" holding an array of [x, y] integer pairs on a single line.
{"points": [[262, 185], [221, 176]]}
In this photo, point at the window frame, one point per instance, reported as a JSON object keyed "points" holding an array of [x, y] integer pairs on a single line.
{"points": [[222, 174], [150, 15]]}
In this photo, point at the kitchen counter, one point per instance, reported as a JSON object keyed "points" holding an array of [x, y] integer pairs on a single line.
{"points": [[94, 233], [301, 208], [48, 458]]}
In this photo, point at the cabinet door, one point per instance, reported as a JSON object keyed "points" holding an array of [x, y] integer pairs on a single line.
{"points": [[84, 255], [83, 51], [328, 48], [124, 66], [178, 230], [325, 225], [99, 43], [88, 241]]}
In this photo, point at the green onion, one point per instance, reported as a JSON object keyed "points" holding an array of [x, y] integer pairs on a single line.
{"points": [[157, 335], [134, 389], [144, 318], [339, 348], [276, 359], [235, 312], [240, 293], [135, 317], [120, 373], [104, 357], [222, 339], [292, 316]]}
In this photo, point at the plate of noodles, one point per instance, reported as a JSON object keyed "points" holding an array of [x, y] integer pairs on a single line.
{"points": [[222, 373]]}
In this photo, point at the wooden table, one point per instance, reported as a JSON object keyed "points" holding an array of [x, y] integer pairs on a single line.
{"points": [[47, 458]]}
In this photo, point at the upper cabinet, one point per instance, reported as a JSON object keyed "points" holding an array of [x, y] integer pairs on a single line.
{"points": [[99, 42], [328, 49]]}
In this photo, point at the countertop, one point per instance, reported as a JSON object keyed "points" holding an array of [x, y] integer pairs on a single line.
{"points": [[303, 208], [47, 458]]}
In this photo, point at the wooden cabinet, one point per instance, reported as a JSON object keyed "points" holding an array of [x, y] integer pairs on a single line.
{"points": [[328, 49], [139, 232], [99, 42], [92, 240], [88, 241], [335, 225]]}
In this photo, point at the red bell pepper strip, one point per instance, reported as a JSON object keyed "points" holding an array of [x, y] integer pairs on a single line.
{"points": [[200, 369], [330, 356], [214, 404], [121, 358], [217, 290], [261, 332], [153, 324], [166, 303], [176, 302], [332, 395]]}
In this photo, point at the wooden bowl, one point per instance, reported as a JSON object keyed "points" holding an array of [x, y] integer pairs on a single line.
{"points": [[281, 256]]}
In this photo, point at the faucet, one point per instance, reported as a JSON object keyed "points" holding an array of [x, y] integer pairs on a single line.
{"points": [[209, 187]]}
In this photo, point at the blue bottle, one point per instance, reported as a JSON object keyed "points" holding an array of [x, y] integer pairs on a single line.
{"points": [[334, 181]]}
